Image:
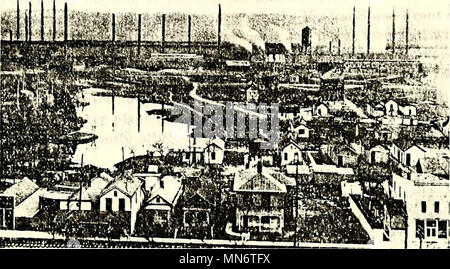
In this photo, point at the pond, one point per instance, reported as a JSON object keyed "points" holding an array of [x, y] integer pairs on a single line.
{"points": [[124, 129]]}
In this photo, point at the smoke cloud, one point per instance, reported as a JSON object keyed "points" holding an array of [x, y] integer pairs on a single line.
{"points": [[281, 35], [244, 31], [229, 36]]}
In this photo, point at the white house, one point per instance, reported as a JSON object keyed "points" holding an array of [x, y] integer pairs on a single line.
{"points": [[204, 150], [301, 131], [427, 199], [125, 193], [214, 152], [377, 154], [164, 197], [19, 200], [321, 110], [391, 108], [408, 153], [291, 153], [375, 109]]}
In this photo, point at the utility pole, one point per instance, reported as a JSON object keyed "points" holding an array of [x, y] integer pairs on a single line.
{"points": [[81, 181], [393, 32], [407, 32], [296, 204]]}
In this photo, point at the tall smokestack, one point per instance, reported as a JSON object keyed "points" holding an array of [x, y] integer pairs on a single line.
{"points": [[219, 26], [163, 26], [26, 26], [393, 32], [30, 29], [54, 20], [66, 26], [407, 32], [353, 34], [113, 26], [42, 20], [18, 22], [139, 34], [368, 31], [189, 34]]}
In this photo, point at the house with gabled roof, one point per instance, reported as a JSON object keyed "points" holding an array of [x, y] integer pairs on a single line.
{"points": [[163, 198], [124, 193], [199, 202], [260, 200], [375, 151], [20, 200], [291, 154]]}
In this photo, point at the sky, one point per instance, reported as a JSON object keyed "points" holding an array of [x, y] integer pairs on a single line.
{"points": [[429, 20], [236, 6]]}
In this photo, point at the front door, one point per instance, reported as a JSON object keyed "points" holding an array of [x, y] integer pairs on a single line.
{"points": [[408, 159], [109, 204], [121, 204]]}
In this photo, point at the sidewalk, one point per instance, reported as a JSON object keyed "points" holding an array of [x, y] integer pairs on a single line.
{"points": [[185, 241]]}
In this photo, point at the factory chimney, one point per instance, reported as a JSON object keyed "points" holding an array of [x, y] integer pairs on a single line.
{"points": [[26, 26], [163, 41], [66, 26], [54, 20], [407, 32], [353, 33], [30, 29], [42, 20], [189, 34], [368, 31], [393, 32], [219, 29], [18, 21], [139, 34], [113, 25]]}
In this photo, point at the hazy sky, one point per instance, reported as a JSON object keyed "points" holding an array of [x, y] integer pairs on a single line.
{"points": [[236, 6], [429, 19]]}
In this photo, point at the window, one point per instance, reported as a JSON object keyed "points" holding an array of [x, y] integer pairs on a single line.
{"points": [[187, 155], [442, 229], [301, 131], [285, 156], [265, 220], [436, 207], [449, 208], [213, 155], [115, 193], [296, 157], [424, 207]]}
